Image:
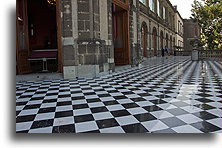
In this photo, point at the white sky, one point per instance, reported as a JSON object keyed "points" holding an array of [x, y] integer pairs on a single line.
{"points": [[184, 7]]}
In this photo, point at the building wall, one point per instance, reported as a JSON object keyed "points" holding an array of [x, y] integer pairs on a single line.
{"points": [[87, 45], [179, 31], [191, 32]]}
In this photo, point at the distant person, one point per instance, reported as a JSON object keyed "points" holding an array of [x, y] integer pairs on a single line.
{"points": [[166, 50], [163, 52]]}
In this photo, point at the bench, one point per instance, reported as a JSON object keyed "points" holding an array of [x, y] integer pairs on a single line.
{"points": [[43, 55]]}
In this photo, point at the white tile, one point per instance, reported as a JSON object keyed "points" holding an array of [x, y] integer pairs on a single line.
{"points": [[189, 118], [167, 106], [34, 102], [28, 112], [48, 105], [136, 111], [114, 130], [103, 115], [124, 101], [45, 116], [63, 121], [77, 102], [80, 112], [41, 130], [126, 120], [144, 103], [96, 104], [115, 107], [64, 108], [154, 125], [86, 126], [161, 114], [191, 109], [23, 126], [186, 129], [217, 122], [216, 112]]}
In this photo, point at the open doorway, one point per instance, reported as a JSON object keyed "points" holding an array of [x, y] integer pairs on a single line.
{"points": [[37, 40], [144, 39], [154, 41], [120, 35]]}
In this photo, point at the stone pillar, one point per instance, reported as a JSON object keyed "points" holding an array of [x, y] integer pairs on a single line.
{"points": [[85, 38]]}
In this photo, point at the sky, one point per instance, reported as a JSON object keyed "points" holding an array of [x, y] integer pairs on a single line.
{"points": [[184, 7]]}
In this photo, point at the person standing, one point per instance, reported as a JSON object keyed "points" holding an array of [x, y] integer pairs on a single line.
{"points": [[163, 51]]}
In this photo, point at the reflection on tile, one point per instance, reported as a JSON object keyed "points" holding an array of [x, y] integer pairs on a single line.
{"points": [[164, 96]]}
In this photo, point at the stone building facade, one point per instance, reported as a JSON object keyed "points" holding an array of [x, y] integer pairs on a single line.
{"points": [[191, 32], [92, 36]]}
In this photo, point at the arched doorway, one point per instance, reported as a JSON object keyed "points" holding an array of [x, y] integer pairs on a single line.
{"points": [[167, 41], [161, 40], [171, 45], [144, 31], [154, 41]]}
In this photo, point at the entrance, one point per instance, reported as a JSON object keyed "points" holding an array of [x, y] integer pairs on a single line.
{"points": [[120, 34], [144, 39], [155, 41], [37, 47]]}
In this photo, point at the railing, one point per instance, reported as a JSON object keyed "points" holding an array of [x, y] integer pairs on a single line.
{"points": [[183, 53], [210, 55]]}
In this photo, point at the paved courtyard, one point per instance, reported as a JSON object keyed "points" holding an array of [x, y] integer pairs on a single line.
{"points": [[174, 95]]}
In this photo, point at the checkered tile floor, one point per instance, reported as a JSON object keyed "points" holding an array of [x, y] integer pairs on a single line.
{"points": [[173, 95]]}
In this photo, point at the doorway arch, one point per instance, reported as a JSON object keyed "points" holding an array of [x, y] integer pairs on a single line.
{"points": [[144, 35], [154, 41]]}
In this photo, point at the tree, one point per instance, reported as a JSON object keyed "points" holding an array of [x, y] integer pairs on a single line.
{"points": [[208, 14]]}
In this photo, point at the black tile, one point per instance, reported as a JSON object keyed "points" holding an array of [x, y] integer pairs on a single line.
{"points": [[36, 98], [152, 108], [49, 101], [158, 101], [46, 110], [206, 127], [107, 123], [42, 124], [26, 131], [65, 96], [103, 95], [94, 131], [64, 114], [35, 106], [80, 106], [25, 118], [205, 106], [205, 115], [138, 99], [64, 129], [78, 98], [64, 103], [120, 97], [204, 100], [135, 128], [204, 95], [21, 103], [173, 122], [93, 100], [83, 118], [107, 103], [99, 109], [120, 113], [130, 105], [145, 117]]}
